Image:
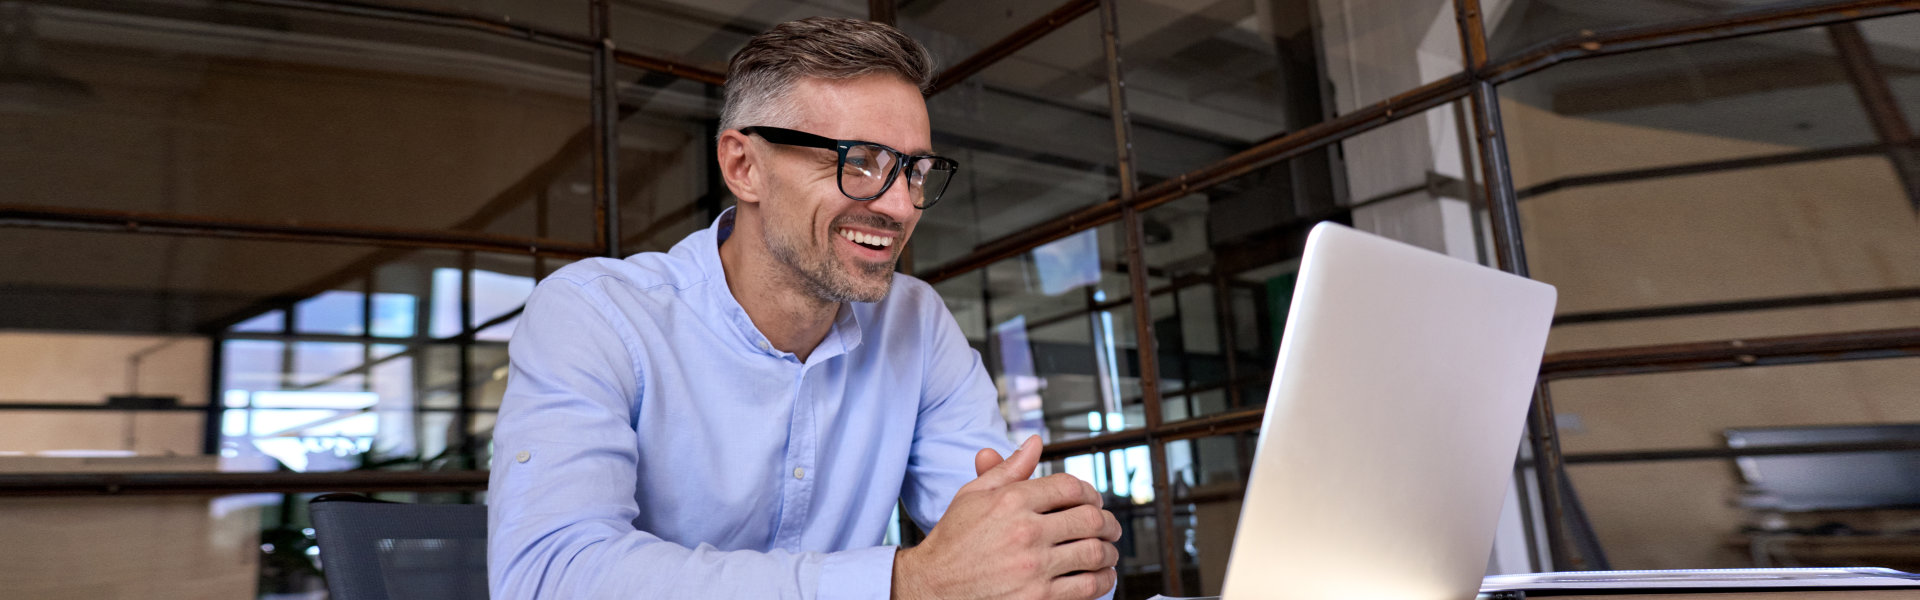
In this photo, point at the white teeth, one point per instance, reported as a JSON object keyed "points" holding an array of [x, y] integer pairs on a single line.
{"points": [[868, 239]]}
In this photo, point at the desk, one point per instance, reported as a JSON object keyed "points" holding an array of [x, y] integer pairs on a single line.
{"points": [[1908, 594]]}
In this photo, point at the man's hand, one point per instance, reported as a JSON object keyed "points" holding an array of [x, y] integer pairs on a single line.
{"points": [[1007, 536]]}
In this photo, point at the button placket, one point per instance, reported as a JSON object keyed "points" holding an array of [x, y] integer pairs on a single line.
{"points": [[796, 501]]}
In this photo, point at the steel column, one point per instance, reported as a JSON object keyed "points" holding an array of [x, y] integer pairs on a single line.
{"points": [[1883, 110], [1503, 210], [1144, 341], [882, 11], [606, 139]]}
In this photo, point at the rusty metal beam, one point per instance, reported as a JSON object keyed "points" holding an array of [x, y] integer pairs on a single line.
{"points": [[1709, 308], [502, 26], [666, 66], [1730, 453], [1588, 44], [1144, 341], [1005, 47], [1699, 168], [75, 219], [212, 484], [1785, 350], [1207, 426]]}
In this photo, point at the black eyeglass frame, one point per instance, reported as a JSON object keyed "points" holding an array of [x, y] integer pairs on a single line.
{"points": [[790, 137]]}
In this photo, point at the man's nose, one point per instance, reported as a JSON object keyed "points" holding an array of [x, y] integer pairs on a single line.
{"points": [[897, 202]]}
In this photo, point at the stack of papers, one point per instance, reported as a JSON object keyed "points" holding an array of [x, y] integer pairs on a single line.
{"points": [[1854, 577], [1689, 579]]}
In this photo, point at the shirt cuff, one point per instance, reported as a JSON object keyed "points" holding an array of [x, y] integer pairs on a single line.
{"points": [[860, 574]]}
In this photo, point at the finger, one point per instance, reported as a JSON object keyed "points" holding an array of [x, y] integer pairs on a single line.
{"points": [[1080, 522], [1017, 467], [1057, 492], [1111, 532], [985, 459], [1081, 586], [1082, 555]]}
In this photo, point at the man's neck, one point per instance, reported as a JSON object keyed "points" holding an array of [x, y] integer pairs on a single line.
{"points": [[793, 320]]}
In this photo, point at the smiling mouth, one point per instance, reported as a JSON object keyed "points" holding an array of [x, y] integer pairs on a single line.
{"points": [[866, 240]]}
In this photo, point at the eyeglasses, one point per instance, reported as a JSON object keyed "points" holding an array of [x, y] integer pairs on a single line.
{"points": [[868, 169]]}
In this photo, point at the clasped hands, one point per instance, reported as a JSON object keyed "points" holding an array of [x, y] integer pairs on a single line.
{"points": [[1008, 536]]}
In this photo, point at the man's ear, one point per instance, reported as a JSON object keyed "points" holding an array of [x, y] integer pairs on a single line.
{"points": [[739, 165]]}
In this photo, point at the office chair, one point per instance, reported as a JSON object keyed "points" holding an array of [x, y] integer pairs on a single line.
{"points": [[376, 550]]}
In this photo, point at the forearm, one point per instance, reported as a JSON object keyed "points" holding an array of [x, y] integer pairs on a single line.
{"points": [[593, 561]]}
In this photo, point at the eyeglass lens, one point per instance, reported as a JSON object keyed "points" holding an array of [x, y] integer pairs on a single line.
{"points": [[865, 172]]}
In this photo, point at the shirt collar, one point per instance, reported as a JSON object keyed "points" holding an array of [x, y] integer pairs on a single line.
{"points": [[843, 338]]}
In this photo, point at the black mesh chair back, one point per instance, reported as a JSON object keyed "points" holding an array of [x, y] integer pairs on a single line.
{"points": [[374, 550]]}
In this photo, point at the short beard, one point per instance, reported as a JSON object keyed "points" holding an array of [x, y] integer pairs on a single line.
{"points": [[820, 274]]}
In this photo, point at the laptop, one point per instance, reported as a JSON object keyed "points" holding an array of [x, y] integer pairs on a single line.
{"points": [[1397, 407]]}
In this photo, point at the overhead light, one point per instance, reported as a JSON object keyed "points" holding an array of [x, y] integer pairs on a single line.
{"points": [[27, 84]]}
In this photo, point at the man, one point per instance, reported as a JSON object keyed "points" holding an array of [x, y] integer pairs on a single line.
{"points": [[737, 418]]}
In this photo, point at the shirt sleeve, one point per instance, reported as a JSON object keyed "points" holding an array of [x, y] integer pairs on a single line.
{"points": [[561, 493], [959, 415]]}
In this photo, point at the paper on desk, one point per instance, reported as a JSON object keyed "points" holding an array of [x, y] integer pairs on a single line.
{"points": [[1159, 597], [1702, 578]]}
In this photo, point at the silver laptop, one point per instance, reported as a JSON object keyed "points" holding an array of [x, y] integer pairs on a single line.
{"points": [[1396, 410]]}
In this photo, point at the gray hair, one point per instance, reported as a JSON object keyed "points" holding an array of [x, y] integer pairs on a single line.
{"points": [[763, 73]]}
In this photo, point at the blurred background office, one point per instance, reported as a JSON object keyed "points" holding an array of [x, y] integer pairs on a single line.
{"points": [[259, 249]]}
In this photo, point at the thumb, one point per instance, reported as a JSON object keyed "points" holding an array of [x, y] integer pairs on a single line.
{"points": [[985, 459], [1017, 467]]}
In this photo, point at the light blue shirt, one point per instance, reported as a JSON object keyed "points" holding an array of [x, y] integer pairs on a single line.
{"points": [[653, 444]]}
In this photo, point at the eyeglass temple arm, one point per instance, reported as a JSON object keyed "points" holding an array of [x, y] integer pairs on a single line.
{"points": [[789, 137]]}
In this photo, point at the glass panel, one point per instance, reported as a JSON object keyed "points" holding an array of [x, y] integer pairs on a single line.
{"points": [[1205, 81], [501, 284], [956, 29], [489, 374], [134, 546], [707, 34], [1513, 26], [117, 282], [408, 298], [273, 321], [1222, 265], [1063, 347], [1691, 409], [101, 433], [669, 185], [326, 405], [1209, 478], [279, 116], [1377, 51], [1676, 514], [1125, 478], [1891, 40], [88, 369], [1034, 140], [564, 16], [1790, 230], [1756, 96]]}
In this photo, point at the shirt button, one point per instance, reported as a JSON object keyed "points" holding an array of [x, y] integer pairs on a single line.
{"points": [[799, 472], [765, 347], [522, 456]]}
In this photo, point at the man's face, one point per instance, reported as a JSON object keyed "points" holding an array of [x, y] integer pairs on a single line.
{"points": [[841, 249]]}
